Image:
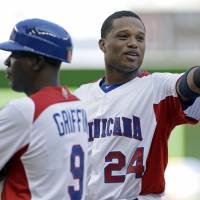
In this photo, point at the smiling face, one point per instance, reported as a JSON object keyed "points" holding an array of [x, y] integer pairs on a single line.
{"points": [[124, 45]]}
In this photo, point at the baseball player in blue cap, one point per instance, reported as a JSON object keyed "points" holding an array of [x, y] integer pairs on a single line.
{"points": [[43, 137]]}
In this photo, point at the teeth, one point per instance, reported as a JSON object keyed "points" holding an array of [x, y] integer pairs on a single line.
{"points": [[132, 54]]}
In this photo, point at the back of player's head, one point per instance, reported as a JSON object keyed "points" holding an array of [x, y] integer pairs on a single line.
{"points": [[107, 24], [40, 37]]}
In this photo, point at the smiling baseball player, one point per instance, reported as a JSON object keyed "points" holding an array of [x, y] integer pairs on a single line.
{"points": [[131, 115]]}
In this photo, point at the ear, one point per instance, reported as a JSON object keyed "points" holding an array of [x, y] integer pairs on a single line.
{"points": [[102, 45], [38, 64]]}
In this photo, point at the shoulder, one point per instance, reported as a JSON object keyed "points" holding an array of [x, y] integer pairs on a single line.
{"points": [[157, 77], [165, 82], [18, 112], [86, 88], [164, 86], [165, 76], [51, 96]]}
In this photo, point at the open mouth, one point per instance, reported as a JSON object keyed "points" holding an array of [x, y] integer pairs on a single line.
{"points": [[132, 55]]}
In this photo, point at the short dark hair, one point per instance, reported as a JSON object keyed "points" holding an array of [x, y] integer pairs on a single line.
{"points": [[107, 24]]}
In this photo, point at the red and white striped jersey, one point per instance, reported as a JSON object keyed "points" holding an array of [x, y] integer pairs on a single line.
{"points": [[43, 142], [129, 128]]}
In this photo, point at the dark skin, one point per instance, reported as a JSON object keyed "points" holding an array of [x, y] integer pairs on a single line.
{"points": [[123, 48], [30, 73]]}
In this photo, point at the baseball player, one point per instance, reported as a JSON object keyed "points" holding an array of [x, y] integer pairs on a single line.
{"points": [[131, 115], [43, 137]]}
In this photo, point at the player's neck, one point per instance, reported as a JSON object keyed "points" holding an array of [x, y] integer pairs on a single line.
{"points": [[40, 85], [45, 78], [114, 76]]}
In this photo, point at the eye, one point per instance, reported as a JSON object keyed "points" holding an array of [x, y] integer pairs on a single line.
{"points": [[140, 39], [122, 36]]}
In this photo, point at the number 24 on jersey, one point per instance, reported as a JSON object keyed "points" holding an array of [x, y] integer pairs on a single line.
{"points": [[135, 165]]}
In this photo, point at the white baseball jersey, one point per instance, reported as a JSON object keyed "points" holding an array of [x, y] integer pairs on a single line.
{"points": [[129, 128], [43, 141]]}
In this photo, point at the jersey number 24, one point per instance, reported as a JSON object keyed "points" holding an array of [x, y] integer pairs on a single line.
{"points": [[135, 165]]}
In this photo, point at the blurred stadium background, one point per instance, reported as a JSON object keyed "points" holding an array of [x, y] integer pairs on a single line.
{"points": [[173, 45]]}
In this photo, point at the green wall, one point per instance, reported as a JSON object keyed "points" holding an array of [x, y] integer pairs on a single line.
{"points": [[79, 76], [192, 141], [184, 141], [3, 81], [69, 77]]}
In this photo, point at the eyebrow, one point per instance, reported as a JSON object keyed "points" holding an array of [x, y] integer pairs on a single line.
{"points": [[125, 30]]}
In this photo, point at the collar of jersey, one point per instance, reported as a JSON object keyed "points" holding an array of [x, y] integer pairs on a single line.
{"points": [[108, 87]]}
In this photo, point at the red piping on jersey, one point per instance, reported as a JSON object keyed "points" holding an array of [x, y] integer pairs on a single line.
{"points": [[167, 118], [16, 184], [49, 96], [143, 73]]}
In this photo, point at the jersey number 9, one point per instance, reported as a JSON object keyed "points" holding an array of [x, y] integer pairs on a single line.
{"points": [[77, 172]]}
